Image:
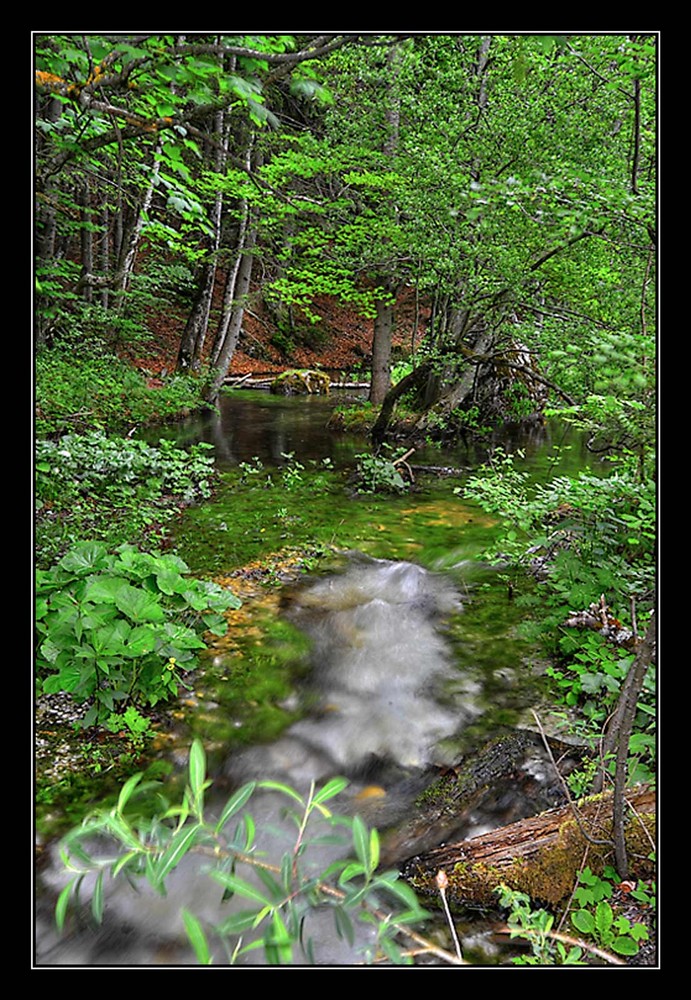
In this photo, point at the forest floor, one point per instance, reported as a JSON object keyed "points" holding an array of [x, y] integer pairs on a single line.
{"points": [[340, 342]]}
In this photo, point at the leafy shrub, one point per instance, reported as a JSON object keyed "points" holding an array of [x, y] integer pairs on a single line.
{"points": [[376, 474], [121, 628], [82, 390], [588, 540], [596, 534], [94, 486], [351, 889], [122, 467]]}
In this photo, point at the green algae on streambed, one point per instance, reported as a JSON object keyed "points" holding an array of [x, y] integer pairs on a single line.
{"points": [[262, 532], [260, 536]]}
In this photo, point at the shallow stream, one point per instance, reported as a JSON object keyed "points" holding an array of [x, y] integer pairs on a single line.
{"points": [[387, 648]]}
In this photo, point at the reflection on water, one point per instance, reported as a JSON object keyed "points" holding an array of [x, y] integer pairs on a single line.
{"points": [[253, 423]]}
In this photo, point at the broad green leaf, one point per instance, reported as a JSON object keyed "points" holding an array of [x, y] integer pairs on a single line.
{"points": [[105, 589], [603, 917], [84, 556], [583, 921], [624, 946], [139, 605]]}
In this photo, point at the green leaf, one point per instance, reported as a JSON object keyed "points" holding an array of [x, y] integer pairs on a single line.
{"points": [[624, 946], [353, 870], [105, 589], [127, 790], [235, 803], [278, 942], [333, 787], [603, 917], [62, 904], [361, 842], [197, 769], [238, 885], [139, 605], [176, 850], [286, 789], [583, 921], [373, 849], [197, 937], [97, 899], [344, 925], [84, 556]]}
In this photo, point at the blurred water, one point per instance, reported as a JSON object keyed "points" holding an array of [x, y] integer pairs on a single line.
{"points": [[380, 664]]}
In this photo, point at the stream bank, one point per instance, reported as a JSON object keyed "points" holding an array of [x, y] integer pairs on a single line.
{"points": [[457, 666]]}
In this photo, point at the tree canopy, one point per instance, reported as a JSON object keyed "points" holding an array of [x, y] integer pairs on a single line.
{"points": [[510, 179]]}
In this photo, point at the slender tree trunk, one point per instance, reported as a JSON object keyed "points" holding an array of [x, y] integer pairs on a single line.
{"points": [[231, 289], [104, 253], [384, 319], [131, 245], [194, 337], [87, 241], [242, 287], [381, 346]]}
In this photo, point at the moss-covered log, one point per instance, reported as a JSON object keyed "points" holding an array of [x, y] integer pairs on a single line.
{"points": [[541, 855], [301, 381]]}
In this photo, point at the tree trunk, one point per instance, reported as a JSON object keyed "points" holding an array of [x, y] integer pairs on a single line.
{"points": [[131, 244], [229, 295], [194, 336], [235, 325], [541, 855], [381, 347], [384, 319], [87, 241]]}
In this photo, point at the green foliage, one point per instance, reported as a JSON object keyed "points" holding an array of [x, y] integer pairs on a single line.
{"points": [[535, 927], [137, 726], [126, 469], [120, 629], [79, 389], [596, 534], [596, 919], [587, 540], [277, 896], [91, 485], [377, 474]]}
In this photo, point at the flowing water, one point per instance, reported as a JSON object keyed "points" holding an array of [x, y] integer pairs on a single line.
{"points": [[397, 653]]}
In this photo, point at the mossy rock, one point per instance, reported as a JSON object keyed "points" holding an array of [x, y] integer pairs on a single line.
{"points": [[301, 382]]}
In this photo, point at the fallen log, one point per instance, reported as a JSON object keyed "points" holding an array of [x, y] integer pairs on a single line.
{"points": [[540, 855]]}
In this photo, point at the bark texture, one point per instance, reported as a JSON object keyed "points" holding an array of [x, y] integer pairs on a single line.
{"points": [[539, 855]]}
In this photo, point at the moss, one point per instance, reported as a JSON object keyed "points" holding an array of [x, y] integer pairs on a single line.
{"points": [[549, 876], [301, 381]]}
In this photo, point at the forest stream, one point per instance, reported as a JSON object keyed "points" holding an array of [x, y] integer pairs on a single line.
{"points": [[392, 654]]}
